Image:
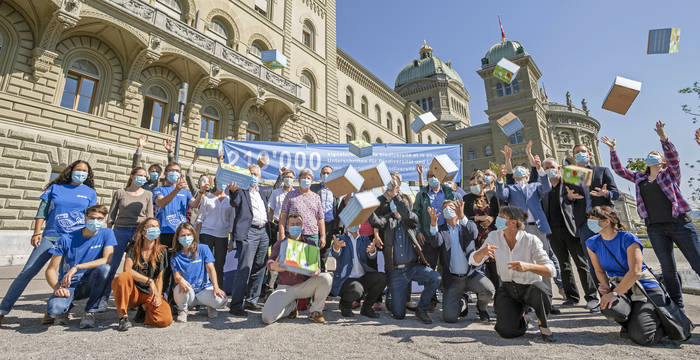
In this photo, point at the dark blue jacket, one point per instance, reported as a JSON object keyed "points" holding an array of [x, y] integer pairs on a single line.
{"points": [[467, 238], [240, 201], [343, 258]]}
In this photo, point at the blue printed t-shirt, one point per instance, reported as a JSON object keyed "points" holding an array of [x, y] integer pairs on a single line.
{"points": [[173, 214], [617, 246], [76, 249], [193, 270], [67, 204]]}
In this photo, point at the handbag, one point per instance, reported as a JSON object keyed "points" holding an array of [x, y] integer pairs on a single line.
{"points": [[675, 323]]}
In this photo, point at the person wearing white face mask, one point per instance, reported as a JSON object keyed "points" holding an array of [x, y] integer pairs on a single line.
{"points": [[214, 224], [79, 267], [663, 208], [481, 207]]}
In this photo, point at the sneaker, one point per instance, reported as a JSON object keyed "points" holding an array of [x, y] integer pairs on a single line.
{"points": [[369, 312], [61, 319], [624, 333], [464, 308], [484, 316], [140, 316], [293, 314], [182, 316], [238, 312], [317, 317], [569, 302], [411, 305], [346, 312], [102, 307], [211, 312], [251, 306], [124, 324], [592, 304], [555, 310], [424, 317], [47, 320], [88, 321]]}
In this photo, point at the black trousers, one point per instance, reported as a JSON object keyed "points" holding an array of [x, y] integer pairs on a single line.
{"points": [[565, 245], [219, 247], [492, 273], [638, 317], [371, 283], [167, 240], [512, 300], [326, 250]]}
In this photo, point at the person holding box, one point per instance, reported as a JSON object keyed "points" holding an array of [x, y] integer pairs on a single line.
{"points": [[172, 201], [293, 286], [306, 203], [62, 210], [83, 257], [154, 170], [191, 264], [663, 208], [329, 204]]}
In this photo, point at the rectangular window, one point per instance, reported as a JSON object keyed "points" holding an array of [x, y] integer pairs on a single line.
{"points": [[251, 136], [208, 128], [153, 114], [424, 105], [499, 90], [430, 103], [306, 38], [516, 138], [508, 91], [78, 92], [261, 7]]}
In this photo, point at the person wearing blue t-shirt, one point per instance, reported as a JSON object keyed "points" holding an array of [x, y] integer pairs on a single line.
{"points": [[172, 201], [79, 267], [62, 210], [617, 259], [194, 274]]}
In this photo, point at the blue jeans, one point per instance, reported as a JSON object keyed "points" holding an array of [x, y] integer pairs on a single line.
{"points": [[124, 236], [400, 284], [91, 286], [38, 258], [685, 236], [584, 233], [249, 276]]}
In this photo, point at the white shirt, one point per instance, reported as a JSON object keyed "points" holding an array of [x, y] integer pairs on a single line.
{"points": [[357, 270], [276, 201], [528, 248], [258, 207], [215, 216]]}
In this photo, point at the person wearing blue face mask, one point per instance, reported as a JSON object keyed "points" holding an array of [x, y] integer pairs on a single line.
{"points": [[79, 267], [663, 208], [305, 202], [277, 199], [329, 204], [130, 206], [214, 224], [154, 170], [194, 275], [61, 211], [353, 276]]}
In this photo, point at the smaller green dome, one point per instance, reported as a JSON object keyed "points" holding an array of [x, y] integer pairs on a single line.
{"points": [[427, 66], [508, 49]]}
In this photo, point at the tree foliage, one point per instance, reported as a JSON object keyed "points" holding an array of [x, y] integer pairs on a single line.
{"points": [[690, 110], [636, 165]]}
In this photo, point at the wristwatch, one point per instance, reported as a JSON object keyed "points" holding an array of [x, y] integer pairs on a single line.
{"points": [[615, 293]]}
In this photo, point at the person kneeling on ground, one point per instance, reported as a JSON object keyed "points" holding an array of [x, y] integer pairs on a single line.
{"points": [[404, 260], [353, 277], [83, 256], [292, 286], [455, 239], [141, 283], [191, 264], [617, 259], [522, 263]]}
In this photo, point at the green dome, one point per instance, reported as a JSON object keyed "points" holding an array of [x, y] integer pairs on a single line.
{"points": [[426, 67], [508, 49]]}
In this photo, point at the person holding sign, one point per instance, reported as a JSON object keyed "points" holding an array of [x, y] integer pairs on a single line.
{"points": [[293, 286]]}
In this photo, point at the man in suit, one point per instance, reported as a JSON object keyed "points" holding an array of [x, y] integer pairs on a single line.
{"points": [[353, 276], [455, 239], [561, 205], [251, 236], [329, 204]]}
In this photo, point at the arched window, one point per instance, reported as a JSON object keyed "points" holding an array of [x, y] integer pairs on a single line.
{"points": [[378, 141], [389, 122], [81, 84], [219, 31], [308, 90], [471, 155], [210, 123], [430, 139], [154, 104], [365, 137], [364, 105], [257, 47], [516, 138], [172, 8], [488, 151], [399, 129], [308, 139], [349, 97], [308, 34], [378, 114], [252, 132], [349, 133]]}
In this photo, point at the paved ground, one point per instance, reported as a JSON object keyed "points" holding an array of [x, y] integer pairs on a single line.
{"points": [[579, 333]]}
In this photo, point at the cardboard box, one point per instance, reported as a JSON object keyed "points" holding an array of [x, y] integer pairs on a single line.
{"points": [[422, 121], [360, 148], [299, 257], [359, 208], [444, 168], [208, 147], [227, 174], [375, 176], [344, 181], [622, 95], [577, 175], [274, 59], [506, 70], [510, 124], [663, 41]]}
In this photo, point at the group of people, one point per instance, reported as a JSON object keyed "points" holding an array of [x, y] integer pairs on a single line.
{"points": [[504, 240]]}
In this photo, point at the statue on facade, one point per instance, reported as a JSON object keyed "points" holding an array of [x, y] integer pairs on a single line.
{"points": [[568, 99], [584, 106]]}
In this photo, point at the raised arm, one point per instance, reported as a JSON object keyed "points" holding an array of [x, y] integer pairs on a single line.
{"points": [[670, 152], [615, 161]]}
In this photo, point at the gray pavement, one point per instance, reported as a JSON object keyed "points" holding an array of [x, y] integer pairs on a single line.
{"points": [[579, 333]]}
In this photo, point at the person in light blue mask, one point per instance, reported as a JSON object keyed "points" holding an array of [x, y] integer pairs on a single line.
{"points": [[329, 204], [155, 170], [61, 211], [130, 206], [79, 267], [214, 224]]}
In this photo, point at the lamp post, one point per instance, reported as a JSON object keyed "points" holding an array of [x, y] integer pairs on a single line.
{"points": [[181, 100]]}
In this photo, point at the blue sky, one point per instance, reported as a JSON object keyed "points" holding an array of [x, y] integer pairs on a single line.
{"points": [[578, 46]]}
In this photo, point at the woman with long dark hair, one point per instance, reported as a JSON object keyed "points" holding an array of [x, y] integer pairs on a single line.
{"points": [[61, 211], [130, 207], [141, 283]]}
